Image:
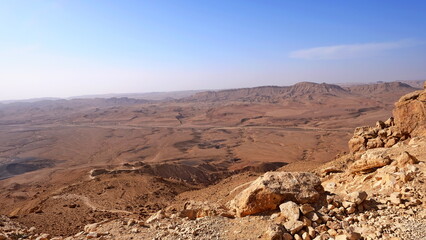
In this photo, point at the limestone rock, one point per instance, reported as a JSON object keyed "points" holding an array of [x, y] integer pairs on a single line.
{"points": [[275, 232], [370, 160], [406, 158], [395, 198], [410, 113], [357, 197], [293, 226], [273, 188], [290, 211], [357, 144], [193, 210], [157, 216]]}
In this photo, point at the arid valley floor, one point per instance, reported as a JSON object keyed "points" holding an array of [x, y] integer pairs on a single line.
{"points": [[65, 164]]}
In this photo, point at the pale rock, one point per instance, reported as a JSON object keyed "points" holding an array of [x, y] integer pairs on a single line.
{"points": [[290, 211], [351, 209], [395, 198], [390, 142], [131, 222], [370, 160], [91, 227], [332, 232], [390, 122], [157, 216], [273, 188], [305, 236], [357, 144], [92, 235], [311, 232], [356, 197], [275, 215], [293, 226], [43, 236], [334, 225], [410, 113], [375, 143], [313, 216], [297, 237]]}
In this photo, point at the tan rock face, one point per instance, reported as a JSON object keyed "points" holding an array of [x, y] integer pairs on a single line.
{"points": [[410, 113], [273, 188], [370, 160], [384, 134]]}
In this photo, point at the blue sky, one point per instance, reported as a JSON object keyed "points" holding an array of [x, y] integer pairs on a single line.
{"points": [[64, 48]]}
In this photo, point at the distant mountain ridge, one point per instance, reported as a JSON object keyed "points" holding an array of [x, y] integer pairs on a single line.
{"points": [[379, 88], [301, 91], [309, 91]]}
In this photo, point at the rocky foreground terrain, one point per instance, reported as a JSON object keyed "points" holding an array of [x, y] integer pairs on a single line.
{"points": [[377, 191]]}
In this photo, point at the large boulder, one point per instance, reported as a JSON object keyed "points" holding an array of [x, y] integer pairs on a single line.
{"points": [[273, 188], [370, 161], [410, 113]]}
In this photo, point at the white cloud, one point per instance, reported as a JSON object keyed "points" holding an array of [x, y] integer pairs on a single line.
{"points": [[350, 50]]}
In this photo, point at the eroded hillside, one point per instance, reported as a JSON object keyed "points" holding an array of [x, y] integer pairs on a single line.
{"points": [[67, 164]]}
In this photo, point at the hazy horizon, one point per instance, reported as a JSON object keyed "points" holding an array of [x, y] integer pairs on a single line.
{"points": [[71, 48]]}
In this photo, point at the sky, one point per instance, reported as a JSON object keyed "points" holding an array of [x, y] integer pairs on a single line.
{"points": [[63, 48]]}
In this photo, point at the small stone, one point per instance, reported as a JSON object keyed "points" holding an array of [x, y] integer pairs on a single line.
{"points": [[341, 237], [311, 232], [357, 197], [92, 235], [297, 237], [347, 204], [306, 208], [306, 221], [395, 198], [290, 210], [43, 236], [157, 216], [305, 236], [334, 225], [332, 232], [90, 227], [351, 210], [313, 216], [131, 222], [293, 226], [275, 232]]}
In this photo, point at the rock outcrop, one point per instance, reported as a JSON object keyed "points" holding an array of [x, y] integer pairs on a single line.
{"points": [[273, 188], [410, 113], [384, 134]]}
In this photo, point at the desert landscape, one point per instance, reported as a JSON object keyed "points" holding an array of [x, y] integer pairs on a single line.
{"points": [[66, 164], [212, 120]]}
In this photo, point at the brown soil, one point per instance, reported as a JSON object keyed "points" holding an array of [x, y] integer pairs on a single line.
{"points": [[149, 154]]}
